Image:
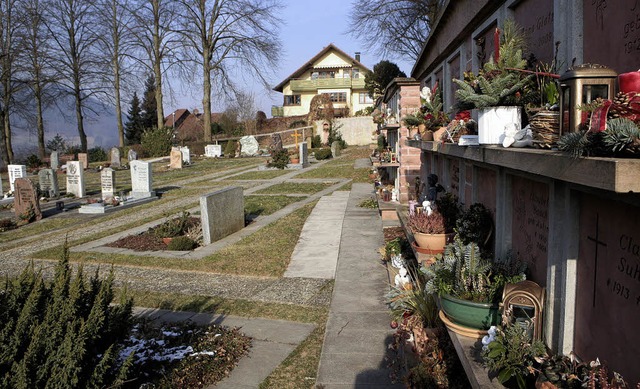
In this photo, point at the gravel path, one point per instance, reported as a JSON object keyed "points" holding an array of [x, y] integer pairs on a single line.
{"points": [[301, 291]]}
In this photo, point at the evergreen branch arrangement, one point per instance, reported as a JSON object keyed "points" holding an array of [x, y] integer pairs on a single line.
{"points": [[499, 82]]}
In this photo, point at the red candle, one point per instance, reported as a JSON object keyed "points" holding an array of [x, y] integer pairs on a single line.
{"points": [[496, 45]]}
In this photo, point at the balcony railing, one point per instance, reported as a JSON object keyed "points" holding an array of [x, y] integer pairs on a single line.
{"points": [[326, 83], [277, 111]]}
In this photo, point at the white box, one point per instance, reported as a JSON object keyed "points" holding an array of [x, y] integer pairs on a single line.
{"points": [[492, 122]]}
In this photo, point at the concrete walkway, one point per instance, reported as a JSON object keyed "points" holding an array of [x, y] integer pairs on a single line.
{"points": [[358, 333], [316, 253], [273, 341]]}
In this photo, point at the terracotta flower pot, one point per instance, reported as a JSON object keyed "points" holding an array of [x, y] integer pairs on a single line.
{"points": [[167, 240], [434, 243], [295, 160]]}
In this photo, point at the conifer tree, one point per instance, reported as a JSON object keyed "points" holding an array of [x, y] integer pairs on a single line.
{"points": [[134, 127], [149, 107]]}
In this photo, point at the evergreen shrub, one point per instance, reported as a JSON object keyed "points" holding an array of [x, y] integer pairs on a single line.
{"points": [[323, 154], [182, 243], [156, 142], [62, 333]]}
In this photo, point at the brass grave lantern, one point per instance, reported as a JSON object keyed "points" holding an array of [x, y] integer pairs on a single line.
{"points": [[522, 305], [580, 85]]}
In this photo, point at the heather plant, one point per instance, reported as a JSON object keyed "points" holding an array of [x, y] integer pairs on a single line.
{"points": [[427, 224]]}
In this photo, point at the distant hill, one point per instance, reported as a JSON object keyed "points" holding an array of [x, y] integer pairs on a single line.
{"points": [[101, 129]]}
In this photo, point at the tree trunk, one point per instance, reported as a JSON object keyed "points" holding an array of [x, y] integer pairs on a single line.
{"points": [[206, 98], [6, 121], [79, 119], [3, 145], [157, 71], [39, 121]]}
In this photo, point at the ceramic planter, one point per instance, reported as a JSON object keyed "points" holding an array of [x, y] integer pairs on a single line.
{"points": [[432, 243], [475, 316], [492, 122]]}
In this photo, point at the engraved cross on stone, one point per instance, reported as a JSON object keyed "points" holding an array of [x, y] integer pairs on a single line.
{"points": [[598, 242]]}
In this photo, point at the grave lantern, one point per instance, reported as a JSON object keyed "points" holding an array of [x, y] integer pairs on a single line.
{"points": [[522, 305], [581, 85]]}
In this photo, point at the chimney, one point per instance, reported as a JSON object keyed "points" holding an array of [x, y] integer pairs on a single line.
{"points": [[358, 56]]}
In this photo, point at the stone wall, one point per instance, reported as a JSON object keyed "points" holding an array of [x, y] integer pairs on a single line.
{"points": [[356, 131]]}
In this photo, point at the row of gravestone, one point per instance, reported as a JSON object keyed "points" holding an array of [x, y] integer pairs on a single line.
{"points": [[54, 158], [179, 157], [141, 183]]}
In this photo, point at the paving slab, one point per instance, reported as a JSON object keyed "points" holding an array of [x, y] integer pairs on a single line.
{"points": [[357, 335]]}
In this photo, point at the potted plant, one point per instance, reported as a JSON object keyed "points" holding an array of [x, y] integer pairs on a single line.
{"points": [[470, 286], [294, 158], [514, 357], [499, 90], [429, 231]]}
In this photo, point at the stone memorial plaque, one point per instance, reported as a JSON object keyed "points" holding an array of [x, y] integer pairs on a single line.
{"points": [[75, 178], [530, 225], [454, 176], [222, 213], [84, 158], [108, 183], [15, 172], [536, 19], [48, 180], [132, 155], [304, 154], [186, 155], [54, 159], [608, 284], [175, 159], [249, 146], [141, 179], [26, 200], [276, 143], [115, 157]]}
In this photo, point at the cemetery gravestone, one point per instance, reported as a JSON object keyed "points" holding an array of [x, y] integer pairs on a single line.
{"points": [[132, 155], [249, 146], [15, 172], [107, 183], [175, 159], [186, 155], [335, 149], [54, 159], [75, 178], [82, 157], [48, 180], [141, 179], [276, 143], [26, 205], [222, 213], [115, 157], [213, 151], [304, 154]]}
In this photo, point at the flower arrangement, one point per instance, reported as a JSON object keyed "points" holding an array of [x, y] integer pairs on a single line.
{"points": [[378, 116]]}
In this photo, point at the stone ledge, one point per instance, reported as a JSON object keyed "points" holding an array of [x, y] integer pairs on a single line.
{"points": [[620, 175]]}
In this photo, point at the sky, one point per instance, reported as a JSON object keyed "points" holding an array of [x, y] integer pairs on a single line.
{"points": [[309, 27]]}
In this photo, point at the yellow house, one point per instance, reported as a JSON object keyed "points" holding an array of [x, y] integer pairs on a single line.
{"points": [[331, 71]]}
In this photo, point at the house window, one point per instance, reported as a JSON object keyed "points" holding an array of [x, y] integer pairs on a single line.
{"points": [[338, 97], [355, 73], [327, 74], [365, 98], [292, 100]]}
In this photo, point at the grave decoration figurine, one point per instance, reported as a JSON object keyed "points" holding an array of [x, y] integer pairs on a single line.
{"points": [[434, 188], [402, 278]]}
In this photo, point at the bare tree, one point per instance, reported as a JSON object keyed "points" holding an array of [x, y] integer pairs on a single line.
{"points": [[245, 106], [157, 39], [228, 40], [9, 51], [393, 28], [115, 44], [36, 63], [72, 25]]}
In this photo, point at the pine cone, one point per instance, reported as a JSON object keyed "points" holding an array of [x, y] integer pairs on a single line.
{"points": [[621, 106]]}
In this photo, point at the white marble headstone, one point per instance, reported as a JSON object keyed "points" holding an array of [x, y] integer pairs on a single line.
{"points": [[213, 151], [108, 183], [186, 155], [16, 171], [141, 179], [132, 155], [249, 146], [75, 178]]}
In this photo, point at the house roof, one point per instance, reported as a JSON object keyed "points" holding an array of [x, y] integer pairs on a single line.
{"points": [[187, 121], [309, 65]]}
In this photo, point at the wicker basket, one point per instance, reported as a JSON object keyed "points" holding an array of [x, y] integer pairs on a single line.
{"points": [[545, 126]]}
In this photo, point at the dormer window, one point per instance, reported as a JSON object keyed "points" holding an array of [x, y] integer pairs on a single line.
{"points": [[355, 73]]}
